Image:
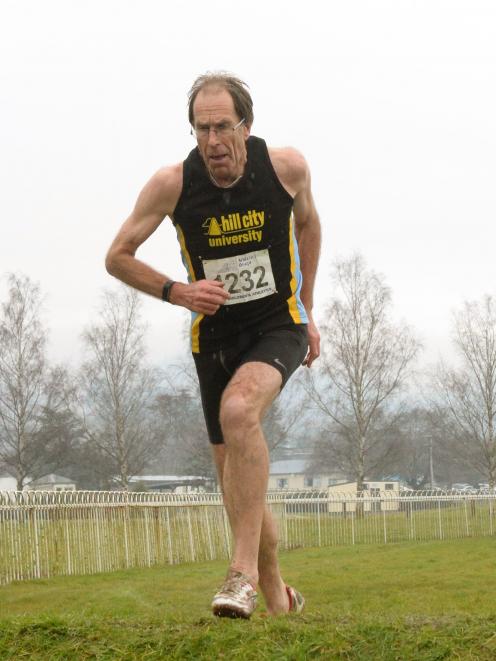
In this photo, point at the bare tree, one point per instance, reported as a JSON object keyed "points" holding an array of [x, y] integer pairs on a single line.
{"points": [[469, 391], [364, 366], [277, 425], [60, 431], [117, 389], [22, 373], [421, 458], [186, 449], [29, 389], [284, 416]]}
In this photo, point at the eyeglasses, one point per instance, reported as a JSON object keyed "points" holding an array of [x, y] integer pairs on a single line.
{"points": [[222, 129]]}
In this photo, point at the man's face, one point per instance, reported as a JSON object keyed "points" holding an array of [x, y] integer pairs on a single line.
{"points": [[222, 149]]}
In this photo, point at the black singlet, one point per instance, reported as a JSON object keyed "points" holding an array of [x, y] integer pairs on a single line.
{"points": [[244, 236]]}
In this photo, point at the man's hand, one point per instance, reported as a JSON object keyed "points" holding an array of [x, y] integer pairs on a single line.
{"points": [[313, 343], [204, 296]]}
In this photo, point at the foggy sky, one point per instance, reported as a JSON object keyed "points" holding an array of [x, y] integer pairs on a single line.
{"points": [[392, 103]]}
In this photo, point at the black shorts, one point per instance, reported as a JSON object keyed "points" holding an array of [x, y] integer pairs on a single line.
{"points": [[284, 348]]}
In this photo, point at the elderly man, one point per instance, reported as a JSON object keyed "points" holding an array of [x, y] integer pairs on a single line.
{"points": [[249, 235]]}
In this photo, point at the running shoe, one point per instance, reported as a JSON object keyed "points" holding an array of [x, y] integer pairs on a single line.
{"points": [[296, 600], [236, 597]]}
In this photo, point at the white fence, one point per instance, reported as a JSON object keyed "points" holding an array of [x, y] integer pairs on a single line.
{"points": [[46, 534]]}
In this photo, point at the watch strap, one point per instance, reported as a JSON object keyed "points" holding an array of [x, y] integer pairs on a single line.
{"points": [[167, 290]]}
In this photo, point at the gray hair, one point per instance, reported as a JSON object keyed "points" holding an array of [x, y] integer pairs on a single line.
{"points": [[237, 88]]}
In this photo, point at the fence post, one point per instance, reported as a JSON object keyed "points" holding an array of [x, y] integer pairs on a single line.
{"points": [[68, 543], [99, 547], [226, 532], [190, 530], [319, 537], [209, 534], [286, 533], [34, 519], [412, 522], [439, 519], [126, 541], [384, 521], [169, 537], [156, 530], [147, 535]]}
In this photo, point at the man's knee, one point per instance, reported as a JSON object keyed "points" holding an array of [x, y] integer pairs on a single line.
{"points": [[237, 412], [246, 398]]}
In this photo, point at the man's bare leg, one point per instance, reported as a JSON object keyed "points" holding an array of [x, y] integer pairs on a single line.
{"points": [[246, 464], [269, 575], [270, 579], [242, 466]]}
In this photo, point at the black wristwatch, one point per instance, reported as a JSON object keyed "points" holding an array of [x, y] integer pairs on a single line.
{"points": [[167, 290]]}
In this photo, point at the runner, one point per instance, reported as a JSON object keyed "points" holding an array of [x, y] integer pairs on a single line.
{"points": [[249, 236]]}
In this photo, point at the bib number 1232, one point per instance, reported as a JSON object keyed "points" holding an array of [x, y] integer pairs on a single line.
{"points": [[246, 277]]}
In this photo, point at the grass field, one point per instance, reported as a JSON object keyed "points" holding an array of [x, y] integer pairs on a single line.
{"points": [[408, 601]]}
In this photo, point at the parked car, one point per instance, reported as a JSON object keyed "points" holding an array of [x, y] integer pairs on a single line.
{"points": [[464, 488]]}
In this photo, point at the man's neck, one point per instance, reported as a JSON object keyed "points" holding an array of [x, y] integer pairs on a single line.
{"points": [[224, 183]]}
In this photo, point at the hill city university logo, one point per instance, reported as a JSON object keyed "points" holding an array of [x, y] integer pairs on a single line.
{"points": [[234, 228]]}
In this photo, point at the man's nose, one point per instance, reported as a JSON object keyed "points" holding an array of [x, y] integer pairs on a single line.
{"points": [[213, 138]]}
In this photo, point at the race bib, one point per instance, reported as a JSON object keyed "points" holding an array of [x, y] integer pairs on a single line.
{"points": [[246, 277]]}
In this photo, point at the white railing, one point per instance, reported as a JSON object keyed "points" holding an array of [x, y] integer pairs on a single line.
{"points": [[51, 533]]}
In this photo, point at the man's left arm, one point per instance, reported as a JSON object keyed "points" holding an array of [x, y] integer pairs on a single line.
{"points": [[308, 235]]}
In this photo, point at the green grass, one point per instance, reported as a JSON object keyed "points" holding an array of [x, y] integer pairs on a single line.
{"points": [[408, 601]]}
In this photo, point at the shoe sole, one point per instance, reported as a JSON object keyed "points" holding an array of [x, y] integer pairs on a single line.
{"points": [[229, 611]]}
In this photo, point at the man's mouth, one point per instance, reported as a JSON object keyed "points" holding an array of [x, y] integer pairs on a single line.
{"points": [[217, 158]]}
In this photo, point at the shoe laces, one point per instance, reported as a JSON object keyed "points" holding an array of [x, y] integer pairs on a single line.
{"points": [[235, 582]]}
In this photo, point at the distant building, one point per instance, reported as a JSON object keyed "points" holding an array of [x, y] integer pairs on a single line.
{"points": [[51, 482], [388, 491], [172, 483], [295, 474]]}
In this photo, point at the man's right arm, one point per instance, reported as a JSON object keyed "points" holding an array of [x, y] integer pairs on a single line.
{"points": [[157, 200]]}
